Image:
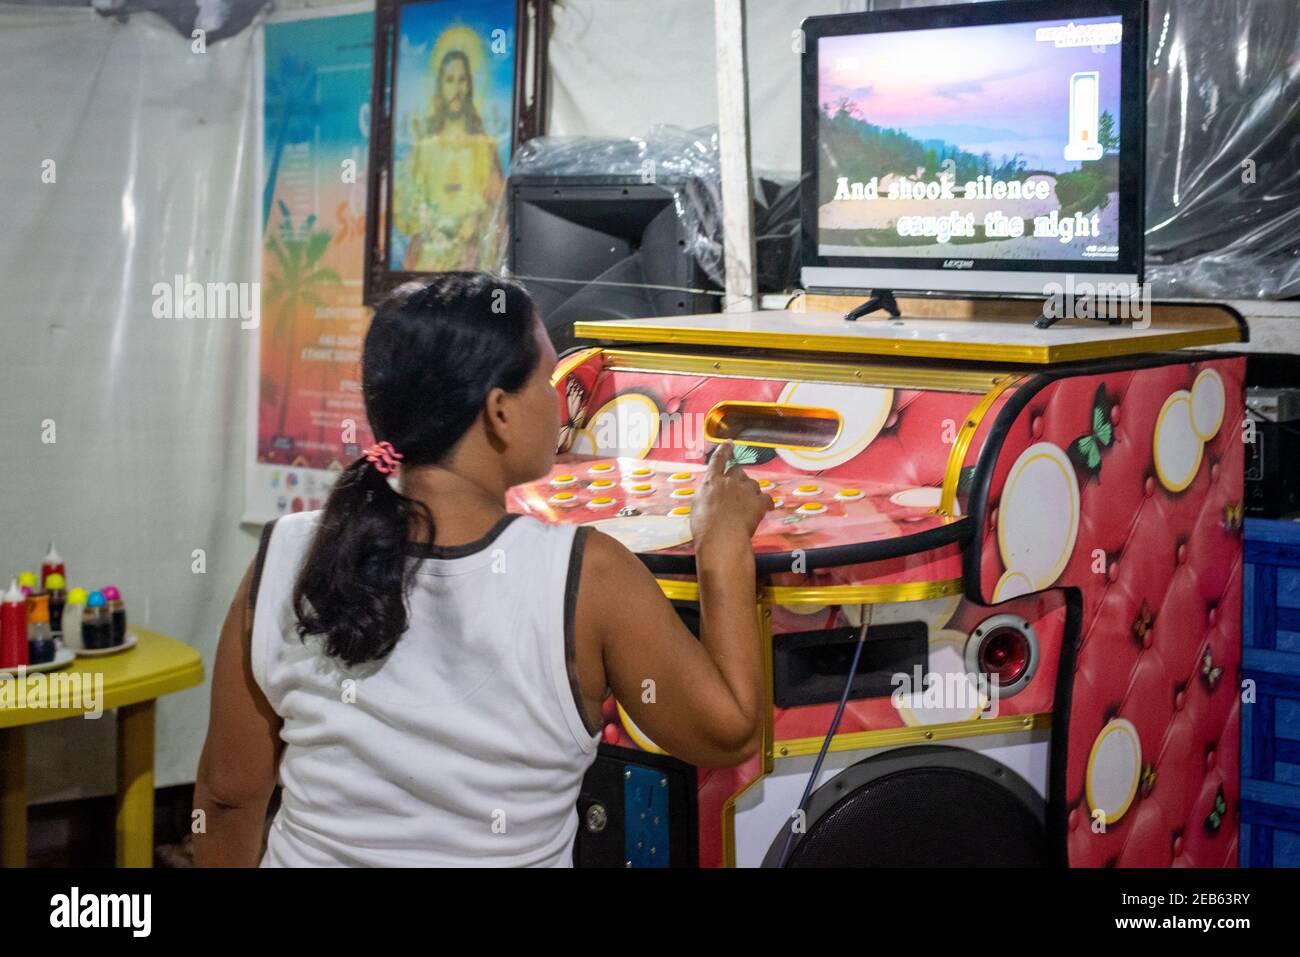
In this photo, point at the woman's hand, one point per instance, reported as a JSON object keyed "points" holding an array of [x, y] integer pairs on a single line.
{"points": [[728, 505]]}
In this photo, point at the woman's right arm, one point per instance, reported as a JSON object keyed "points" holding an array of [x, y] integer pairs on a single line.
{"points": [[701, 701]]}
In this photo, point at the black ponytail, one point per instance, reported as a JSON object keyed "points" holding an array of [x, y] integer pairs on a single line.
{"points": [[432, 354]]}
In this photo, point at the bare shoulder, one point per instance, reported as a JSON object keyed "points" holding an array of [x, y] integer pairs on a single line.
{"points": [[614, 581], [608, 560]]}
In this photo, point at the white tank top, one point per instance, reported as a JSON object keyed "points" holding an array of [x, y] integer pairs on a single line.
{"points": [[466, 746]]}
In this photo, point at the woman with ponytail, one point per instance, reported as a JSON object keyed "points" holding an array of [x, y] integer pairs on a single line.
{"points": [[421, 671]]}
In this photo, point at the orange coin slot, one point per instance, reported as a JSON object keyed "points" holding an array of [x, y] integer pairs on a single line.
{"points": [[773, 425]]}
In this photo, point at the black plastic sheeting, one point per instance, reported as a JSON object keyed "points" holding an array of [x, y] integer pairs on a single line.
{"points": [[1223, 148], [1223, 159]]}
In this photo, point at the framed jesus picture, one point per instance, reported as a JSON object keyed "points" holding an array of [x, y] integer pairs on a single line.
{"points": [[453, 96]]}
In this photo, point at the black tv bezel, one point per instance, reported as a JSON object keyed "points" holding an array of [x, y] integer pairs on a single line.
{"points": [[1132, 161]]}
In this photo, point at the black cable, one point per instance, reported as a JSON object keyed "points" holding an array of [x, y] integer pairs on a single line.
{"points": [[801, 810]]}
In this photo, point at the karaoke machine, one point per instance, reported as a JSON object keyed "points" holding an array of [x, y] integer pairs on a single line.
{"points": [[1039, 529]]}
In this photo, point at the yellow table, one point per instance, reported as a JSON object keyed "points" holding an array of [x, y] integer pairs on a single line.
{"points": [[132, 681]]}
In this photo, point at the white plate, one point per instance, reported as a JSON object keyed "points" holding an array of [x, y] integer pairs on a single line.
{"points": [[954, 696], [62, 658], [1175, 447], [804, 609], [1012, 585], [1208, 404], [1114, 769], [626, 426], [934, 612], [1038, 517], [130, 642], [584, 443], [863, 412], [646, 533], [926, 496]]}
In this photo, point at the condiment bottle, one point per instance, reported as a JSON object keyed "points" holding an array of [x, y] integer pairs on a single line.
{"points": [[40, 639], [56, 589], [27, 583], [117, 613], [52, 565], [96, 624], [13, 627], [72, 613]]}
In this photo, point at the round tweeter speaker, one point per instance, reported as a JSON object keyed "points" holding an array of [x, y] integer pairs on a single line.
{"points": [[927, 806], [1004, 647]]}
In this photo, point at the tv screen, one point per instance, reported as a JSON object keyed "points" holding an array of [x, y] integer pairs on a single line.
{"points": [[974, 148]]}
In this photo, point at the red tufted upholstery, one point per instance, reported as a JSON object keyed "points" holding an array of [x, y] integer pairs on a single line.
{"points": [[1180, 555]]}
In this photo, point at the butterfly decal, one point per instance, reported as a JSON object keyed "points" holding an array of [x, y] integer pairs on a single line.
{"points": [[1085, 451], [1142, 624], [1209, 671], [575, 409], [1214, 820], [1232, 517], [1148, 780]]}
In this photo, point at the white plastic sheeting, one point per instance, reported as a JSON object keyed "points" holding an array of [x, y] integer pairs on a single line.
{"points": [[151, 145], [621, 67]]}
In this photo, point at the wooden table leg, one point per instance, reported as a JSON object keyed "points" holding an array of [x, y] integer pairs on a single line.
{"points": [[135, 747], [13, 797]]}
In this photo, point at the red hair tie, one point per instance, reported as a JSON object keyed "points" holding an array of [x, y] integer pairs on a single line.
{"points": [[384, 457]]}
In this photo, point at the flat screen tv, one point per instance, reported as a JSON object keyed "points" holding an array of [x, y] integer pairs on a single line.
{"points": [[984, 148]]}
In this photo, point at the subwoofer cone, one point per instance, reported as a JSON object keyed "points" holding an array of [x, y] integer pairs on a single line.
{"points": [[928, 806]]}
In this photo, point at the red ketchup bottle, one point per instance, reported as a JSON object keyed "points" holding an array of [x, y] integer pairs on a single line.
{"points": [[13, 628], [52, 565]]}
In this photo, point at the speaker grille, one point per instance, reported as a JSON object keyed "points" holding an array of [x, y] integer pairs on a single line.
{"points": [[924, 815]]}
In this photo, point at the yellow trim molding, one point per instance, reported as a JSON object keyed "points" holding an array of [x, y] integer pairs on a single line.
{"points": [[828, 594], [568, 364], [1149, 342], [920, 734], [961, 445], [803, 370]]}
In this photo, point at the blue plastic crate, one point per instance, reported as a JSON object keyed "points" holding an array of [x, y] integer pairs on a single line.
{"points": [[1270, 728]]}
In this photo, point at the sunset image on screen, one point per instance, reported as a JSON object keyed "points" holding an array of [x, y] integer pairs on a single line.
{"points": [[985, 142]]}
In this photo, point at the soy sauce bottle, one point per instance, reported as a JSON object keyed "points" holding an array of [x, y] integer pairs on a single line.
{"points": [[96, 623], [40, 639], [56, 588], [116, 614]]}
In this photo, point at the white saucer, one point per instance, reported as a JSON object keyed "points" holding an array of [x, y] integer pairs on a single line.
{"points": [[102, 652], [62, 658]]}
